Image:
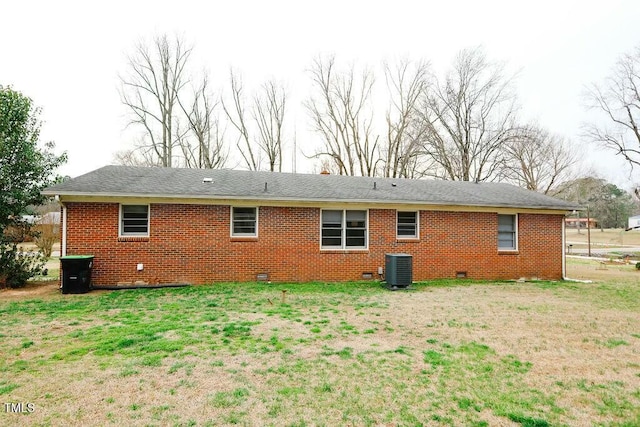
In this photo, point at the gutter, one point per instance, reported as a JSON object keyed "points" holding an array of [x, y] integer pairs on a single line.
{"points": [[259, 198]]}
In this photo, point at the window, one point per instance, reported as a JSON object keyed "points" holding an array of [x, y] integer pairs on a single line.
{"points": [[407, 225], [356, 229], [244, 222], [344, 229], [332, 229], [134, 220], [507, 236]]}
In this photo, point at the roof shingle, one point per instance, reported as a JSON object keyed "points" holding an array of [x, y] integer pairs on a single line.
{"points": [[127, 181]]}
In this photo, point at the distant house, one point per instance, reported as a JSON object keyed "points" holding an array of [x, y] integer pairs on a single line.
{"points": [[634, 223], [203, 226], [581, 222], [52, 218], [48, 223]]}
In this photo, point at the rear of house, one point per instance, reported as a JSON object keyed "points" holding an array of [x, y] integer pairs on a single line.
{"points": [[163, 225]]}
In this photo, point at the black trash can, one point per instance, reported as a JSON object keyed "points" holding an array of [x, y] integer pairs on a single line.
{"points": [[76, 273]]}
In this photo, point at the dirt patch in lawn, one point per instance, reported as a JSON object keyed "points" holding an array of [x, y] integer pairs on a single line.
{"points": [[32, 290], [454, 353]]}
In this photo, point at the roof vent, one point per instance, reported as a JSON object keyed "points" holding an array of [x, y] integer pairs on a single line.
{"points": [[207, 180]]}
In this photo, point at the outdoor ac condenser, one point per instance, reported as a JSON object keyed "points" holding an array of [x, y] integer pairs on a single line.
{"points": [[398, 270]]}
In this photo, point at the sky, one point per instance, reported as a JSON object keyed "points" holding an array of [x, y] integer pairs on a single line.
{"points": [[67, 56]]}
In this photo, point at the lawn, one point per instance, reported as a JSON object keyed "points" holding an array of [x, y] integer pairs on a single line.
{"points": [[602, 238], [442, 353]]}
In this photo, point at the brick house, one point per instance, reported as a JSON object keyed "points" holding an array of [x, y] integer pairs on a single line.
{"points": [[164, 225]]}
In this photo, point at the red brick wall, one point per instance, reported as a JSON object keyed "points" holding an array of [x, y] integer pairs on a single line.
{"points": [[192, 243]]}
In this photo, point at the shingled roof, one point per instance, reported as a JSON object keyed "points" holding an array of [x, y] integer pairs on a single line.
{"points": [[156, 182]]}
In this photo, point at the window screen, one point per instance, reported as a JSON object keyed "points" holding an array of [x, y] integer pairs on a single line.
{"points": [[331, 229], [507, 232], [407, 224], [244, 222], [134, 220]]}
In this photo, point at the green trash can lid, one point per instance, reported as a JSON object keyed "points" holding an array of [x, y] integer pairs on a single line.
{"points": [[76, 257]]}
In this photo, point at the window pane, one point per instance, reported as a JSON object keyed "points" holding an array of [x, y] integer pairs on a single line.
{"points": [[506, 232], [406, 230], [407, 224], [506, 222], [505, 240], [135, 220], [356, 238], [244, 213], [332, 229], [331, 241], [129, 229], [356, 227], [356, 219], [244, 221], [356, 216], [331, 217]]}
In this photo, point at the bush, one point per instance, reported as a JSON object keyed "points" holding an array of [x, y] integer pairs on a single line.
{"points": [[45, 235], [638, 265], [17, 267]]}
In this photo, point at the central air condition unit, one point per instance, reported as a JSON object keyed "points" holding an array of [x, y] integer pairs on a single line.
{"points": [[398, 270]]}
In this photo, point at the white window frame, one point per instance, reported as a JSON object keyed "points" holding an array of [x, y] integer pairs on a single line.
{"points": [[121, 232], [343, 235], [251, 235], [414, 237], [515, 234]]}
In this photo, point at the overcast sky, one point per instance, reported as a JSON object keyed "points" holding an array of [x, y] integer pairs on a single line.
{"points": [[67, 55]]}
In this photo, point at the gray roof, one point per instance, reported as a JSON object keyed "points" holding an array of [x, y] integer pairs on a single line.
{"points": [[128, 181]]}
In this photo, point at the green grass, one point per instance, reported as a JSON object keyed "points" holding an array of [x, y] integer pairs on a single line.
{"points": [[6, 388], [332, 354]]}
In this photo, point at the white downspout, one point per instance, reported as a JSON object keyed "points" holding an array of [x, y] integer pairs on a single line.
{"points": [[63, 243], [564, 249]]}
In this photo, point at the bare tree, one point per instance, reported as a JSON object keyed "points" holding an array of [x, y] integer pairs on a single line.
{"points": [[208, 151], [340, 113], [538, 160], [402, 151], [151, 89], [619, 99], [269, 113], [469, 117], [136, 157], [236, 114], [47, 232]]}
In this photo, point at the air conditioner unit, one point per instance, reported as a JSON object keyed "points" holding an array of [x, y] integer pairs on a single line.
{"points": [[398, 270]]}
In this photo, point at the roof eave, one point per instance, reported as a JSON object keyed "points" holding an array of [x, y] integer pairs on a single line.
{"points": [[96, 195]]}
